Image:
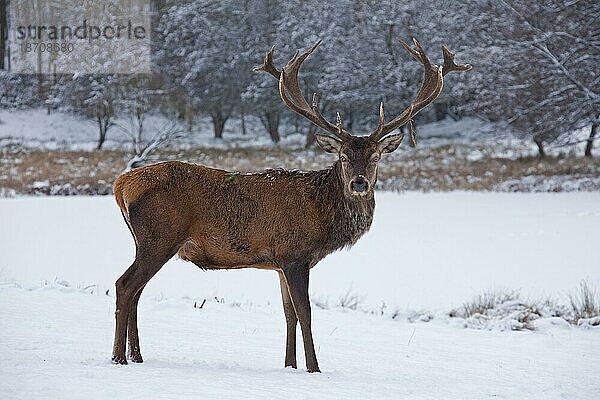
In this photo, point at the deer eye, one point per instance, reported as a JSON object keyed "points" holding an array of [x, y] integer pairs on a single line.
{"points": [[344, 158], [375, 157]]}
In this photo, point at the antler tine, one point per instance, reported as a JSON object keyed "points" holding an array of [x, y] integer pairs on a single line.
{"points": [[377, 133], [450, 65], [431, 87], [268, 65], [381, 114], [414, 53], [291, 94]]}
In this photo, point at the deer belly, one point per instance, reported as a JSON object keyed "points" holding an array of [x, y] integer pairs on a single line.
{"points": [[211, 257]]}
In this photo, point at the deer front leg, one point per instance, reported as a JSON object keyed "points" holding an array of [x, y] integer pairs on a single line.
{"points": [[291, 321], [296, 277]]}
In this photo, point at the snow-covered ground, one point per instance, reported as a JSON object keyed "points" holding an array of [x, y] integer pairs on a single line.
{"points": [[35, 128], [59, 256], [56, 344], [423, 250], [66, 130]]}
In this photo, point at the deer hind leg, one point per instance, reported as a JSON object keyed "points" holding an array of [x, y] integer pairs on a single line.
{"points": [[133, 338], [154, 248], [296, 277], [291, 321], [129, 287], [121, 314]]}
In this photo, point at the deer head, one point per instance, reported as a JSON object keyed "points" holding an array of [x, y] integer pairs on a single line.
{"points": [[359, 155]]}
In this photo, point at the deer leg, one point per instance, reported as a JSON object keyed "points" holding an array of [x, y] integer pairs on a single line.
{"points": [[135, 354], [291, 321], [296, 277], [121, 315], [128, 287]]}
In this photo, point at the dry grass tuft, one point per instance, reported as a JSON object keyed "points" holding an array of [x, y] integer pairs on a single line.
{"points": [[483, 303], [350, 300], [507, 311], [585, 304]]}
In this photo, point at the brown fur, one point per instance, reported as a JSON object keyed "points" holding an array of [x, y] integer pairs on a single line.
{"points": [[128, 187], [220, 209], [278, 220]]}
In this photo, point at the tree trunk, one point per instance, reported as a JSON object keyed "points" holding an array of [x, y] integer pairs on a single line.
{"points": [[270, 120], [218, 121], [243, 120], [189, 116], [310, 136], [349, 120], [389, 41], [103, 116], [440, 110], [181, 108], [590, 142], [540, 145], [297, 124], [3, 33], [102, 132]]}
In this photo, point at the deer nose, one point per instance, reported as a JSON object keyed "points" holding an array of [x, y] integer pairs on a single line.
{"points": [[359, 185]]}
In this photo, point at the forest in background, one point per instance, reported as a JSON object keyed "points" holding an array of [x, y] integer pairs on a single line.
{"points": [[534, 66]]}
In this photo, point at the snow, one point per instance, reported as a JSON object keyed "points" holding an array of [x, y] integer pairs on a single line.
{"points": [[423, 250], [59, 256], [36, 129], [56, 344]]}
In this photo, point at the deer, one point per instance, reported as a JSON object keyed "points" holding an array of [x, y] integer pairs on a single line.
{"points": [[280, 220]]}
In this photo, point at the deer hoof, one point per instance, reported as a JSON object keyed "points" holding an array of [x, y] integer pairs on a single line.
{"points": [[311, 370], [119, 360], [136, 358]]}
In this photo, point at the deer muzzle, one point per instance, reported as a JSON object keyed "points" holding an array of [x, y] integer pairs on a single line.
{"points": [[359, 186]]}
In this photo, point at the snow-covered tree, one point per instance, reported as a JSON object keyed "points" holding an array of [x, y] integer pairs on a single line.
{"points": [[19, 90], [91, 95], [536, 66], [202, 53]]}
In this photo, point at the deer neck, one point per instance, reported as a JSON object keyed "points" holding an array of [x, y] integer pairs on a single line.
{"points": [[349, 216]]}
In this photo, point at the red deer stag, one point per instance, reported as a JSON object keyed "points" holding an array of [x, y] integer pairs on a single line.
{"points": [[218, 220]]}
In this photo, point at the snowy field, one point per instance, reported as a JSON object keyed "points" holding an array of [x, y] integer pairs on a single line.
{"points": [[60, 256], [36, 129]]}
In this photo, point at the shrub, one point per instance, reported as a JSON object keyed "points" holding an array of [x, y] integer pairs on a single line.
{"points": [[585, 305], [483, 303], [350, 300]]}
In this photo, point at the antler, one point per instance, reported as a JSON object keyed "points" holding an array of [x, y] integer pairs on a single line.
{"points": [[291, 94], [433, 81]]}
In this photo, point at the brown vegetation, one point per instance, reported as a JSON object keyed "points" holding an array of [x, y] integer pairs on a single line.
{"points": [[443, 168]]}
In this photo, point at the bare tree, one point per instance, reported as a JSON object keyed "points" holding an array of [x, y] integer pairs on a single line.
{"points": [[144, 149], [536, 66]]}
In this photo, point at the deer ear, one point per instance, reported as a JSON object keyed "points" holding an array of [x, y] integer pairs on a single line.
{"points": [[390, 143], [328, 143]]}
